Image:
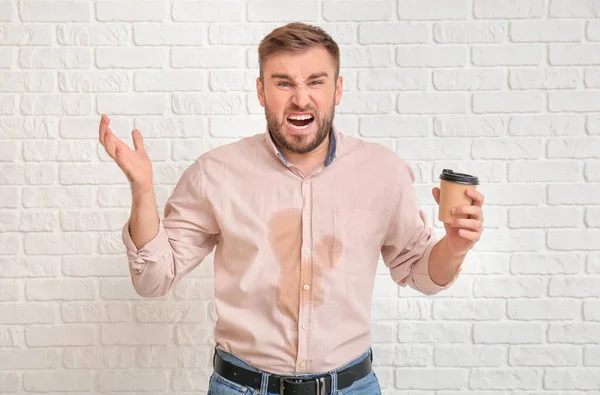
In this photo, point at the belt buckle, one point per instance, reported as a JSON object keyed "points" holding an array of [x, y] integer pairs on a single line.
{"points": [[321, 389]]}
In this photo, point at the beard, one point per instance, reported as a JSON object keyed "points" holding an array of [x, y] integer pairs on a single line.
{"points": [[304, 143]]}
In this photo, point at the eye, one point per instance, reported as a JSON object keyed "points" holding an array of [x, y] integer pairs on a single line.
{"points": [[284, 84], [316, 82]]}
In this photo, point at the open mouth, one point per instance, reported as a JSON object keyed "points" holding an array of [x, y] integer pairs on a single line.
{"points": [[300, 122]]}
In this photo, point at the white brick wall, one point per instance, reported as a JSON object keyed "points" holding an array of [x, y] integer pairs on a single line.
{"points": [[506, 89]]}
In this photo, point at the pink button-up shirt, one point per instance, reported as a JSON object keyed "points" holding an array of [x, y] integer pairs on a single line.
{"points": [[295, 255]]}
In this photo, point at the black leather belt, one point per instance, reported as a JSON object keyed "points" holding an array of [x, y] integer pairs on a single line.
{"points": [[291, 385]]}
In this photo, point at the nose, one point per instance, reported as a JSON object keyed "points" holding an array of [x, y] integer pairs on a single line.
{"points": [[301, 98]]}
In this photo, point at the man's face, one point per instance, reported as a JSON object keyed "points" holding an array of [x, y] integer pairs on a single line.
{"points": [[299, 94]]}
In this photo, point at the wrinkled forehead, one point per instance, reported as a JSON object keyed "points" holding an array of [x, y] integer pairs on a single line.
{"points": [[300, 65]]}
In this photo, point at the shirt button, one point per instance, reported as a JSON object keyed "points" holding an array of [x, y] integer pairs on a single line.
{"points": [[304, 326], [307, 217], [306, 287], [307, 250], [307, 181], [302, 364]]}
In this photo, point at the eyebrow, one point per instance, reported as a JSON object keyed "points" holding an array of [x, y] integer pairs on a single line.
{"points": [[311, 77]]}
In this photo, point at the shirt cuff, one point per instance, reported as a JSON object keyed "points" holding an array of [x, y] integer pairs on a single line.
{"points": [[149, 252], [422, 278]]}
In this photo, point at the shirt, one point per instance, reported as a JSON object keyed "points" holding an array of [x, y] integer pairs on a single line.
{"points": [[295, 256]]}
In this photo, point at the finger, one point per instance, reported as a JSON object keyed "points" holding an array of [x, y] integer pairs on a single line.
{"points": [[103, 128], [472, 236], [138, 140], [472, 224], [477, 197], [473, 211], [436, 194]]}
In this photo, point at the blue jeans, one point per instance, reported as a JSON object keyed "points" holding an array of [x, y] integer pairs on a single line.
{"points": [[368, 385]]}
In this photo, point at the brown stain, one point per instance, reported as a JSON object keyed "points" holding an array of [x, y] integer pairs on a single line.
{"points": [[285, 238]]}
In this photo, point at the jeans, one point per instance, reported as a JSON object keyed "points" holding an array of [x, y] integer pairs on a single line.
{"points": [[368, 385]]}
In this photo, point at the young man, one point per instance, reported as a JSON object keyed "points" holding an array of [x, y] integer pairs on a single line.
{"points": [[299, 216]]}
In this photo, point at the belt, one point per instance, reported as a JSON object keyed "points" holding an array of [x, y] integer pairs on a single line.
{"points": [[292, 385]]}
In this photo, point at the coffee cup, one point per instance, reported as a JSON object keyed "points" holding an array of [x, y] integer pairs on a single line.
{"points": [[453, 187]]}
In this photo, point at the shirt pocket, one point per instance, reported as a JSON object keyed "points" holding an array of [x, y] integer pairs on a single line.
{"points": [[358, 238]]}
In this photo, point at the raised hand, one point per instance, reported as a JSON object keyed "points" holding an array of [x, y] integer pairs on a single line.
{"points": [[134, 163]]}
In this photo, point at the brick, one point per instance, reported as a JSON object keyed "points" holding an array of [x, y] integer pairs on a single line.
{"points": [[373, 56], [431, 379], [593, 31], [59, 243], [6, 58], [581, 379], [432, 332], [546, 125], [230, 126], [6, 11], [307, 11], [26, 81], [367, 103], [98, 358], [61, 151], [469, 356], [135, 334], [504, 379], [591, 355], [25, 34], [28, 174], [26, 313], [576, 332], [28, 128], [580, 101], [152, 104], [81, 312], [545, 217], [212, 57], [30, 266], [165, 81], [592, 217], [55, 11], [92, 35], [130, 58], [239, 34], [95, 266], [591, 311], [467, 310], [432, 9], [469, 126], [58, 381], [394, 126], [593, 125], [172, 312], [508, 55], [507, 102], [546, 31], [568, 286], [574, 8], [207, 104], [385, 79], [574, 194], [404, 355], [7, 104], [172, 34], [544, 171], [509, 287], [54, 104], [165, 127], [510, 240], [432, 103], [431, 56], [555, 78], [192, 334], [94, 82], [29, 359], [514, 194], [131, 11], [10, 382], [59, 289], [592, 77], [474, 79], [393, 33], [574, 54], [55, 58], [93, 220], [417, 149], [9, 151], [508, 9], [231, 81], [10, 243], [508, 333], [133, 380], [11, 290], [573, 239], [579, 148], [507, 148], [71, 128], [207, 11], [542, 310], [472, 32]]}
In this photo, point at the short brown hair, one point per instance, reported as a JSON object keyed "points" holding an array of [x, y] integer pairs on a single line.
{"points": [[297, 37]]}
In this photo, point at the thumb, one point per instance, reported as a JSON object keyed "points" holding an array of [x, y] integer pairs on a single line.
{"points": [[436, 194], [138, 141]]}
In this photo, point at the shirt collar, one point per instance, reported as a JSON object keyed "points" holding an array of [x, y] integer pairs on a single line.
{"points": [[331, 153]]}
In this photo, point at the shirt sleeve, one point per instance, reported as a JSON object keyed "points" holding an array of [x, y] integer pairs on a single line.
{"points": [[188, 233], [410, 239]]}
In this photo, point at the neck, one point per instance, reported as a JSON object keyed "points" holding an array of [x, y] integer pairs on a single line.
{"points": [[310, 161]]}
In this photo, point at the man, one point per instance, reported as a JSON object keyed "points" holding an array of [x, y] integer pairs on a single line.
{"points": [[299, 216]]}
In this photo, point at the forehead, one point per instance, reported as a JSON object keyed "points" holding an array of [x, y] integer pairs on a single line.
{"points": [[300, 64]]}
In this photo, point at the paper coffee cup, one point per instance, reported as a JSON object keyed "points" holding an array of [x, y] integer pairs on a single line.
{"points": [[453, 187]]}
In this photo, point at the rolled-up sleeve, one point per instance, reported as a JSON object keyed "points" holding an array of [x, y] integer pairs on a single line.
{"points": [[410, 240], [186, 235]]}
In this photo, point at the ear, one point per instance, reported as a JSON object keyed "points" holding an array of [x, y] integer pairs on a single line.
{"points": [[260, 90], [339, 85]]}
